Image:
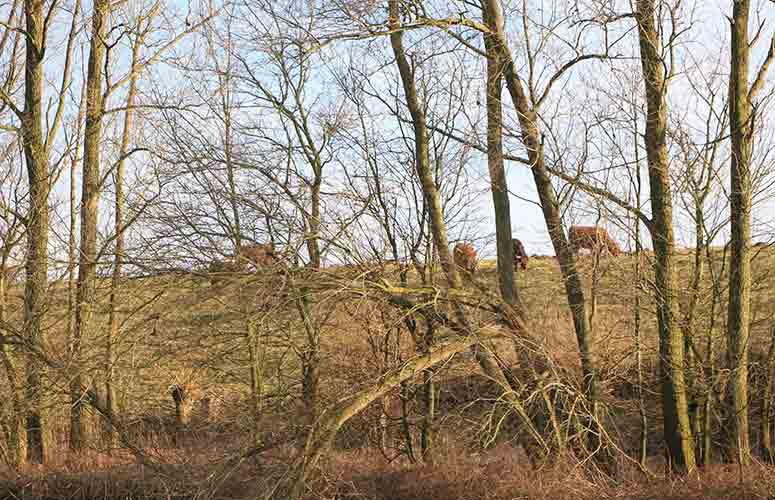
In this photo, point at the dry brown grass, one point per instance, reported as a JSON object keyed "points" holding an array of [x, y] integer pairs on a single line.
{"points": [[193, 330]]}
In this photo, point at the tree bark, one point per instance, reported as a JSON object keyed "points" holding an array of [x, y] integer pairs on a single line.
{"points": [[498, 184], [87, 264], [677, 429], [767, 448], [256, 380], [739, 310], [36, 286]]}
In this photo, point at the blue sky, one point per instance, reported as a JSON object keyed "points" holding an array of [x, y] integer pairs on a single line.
{"points": [[703, 44]]}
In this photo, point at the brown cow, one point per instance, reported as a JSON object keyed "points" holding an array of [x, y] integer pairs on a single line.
{"points": [[465, 257], [260, 255], [592, 237], [520, 256]]}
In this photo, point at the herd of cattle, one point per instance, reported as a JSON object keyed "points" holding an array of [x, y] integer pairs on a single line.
{"points": [[592, 238], [588, 237]]}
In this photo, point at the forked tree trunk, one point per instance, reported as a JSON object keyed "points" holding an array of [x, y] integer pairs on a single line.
{"points": [[531, 138], [677, 428], [87, 265], [534, 444]]}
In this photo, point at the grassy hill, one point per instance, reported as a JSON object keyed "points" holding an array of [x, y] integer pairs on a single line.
{"points": [[187, 330]]}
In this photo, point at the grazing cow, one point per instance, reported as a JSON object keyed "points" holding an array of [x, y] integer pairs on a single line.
{"points": [[465, 257], [592, 237], [520, 256], [261, 255]]}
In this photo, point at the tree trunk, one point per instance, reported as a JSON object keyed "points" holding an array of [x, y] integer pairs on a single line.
{"points": [[118, 254], [429, 399], [535, 446], [36, 286], [498, 185], [677, 429], [643, 441], [16, 446], [531, 138], [310, 359], [256, 381], [87, 264], [739, 310], [73, 226], [767, 448], [313, 241]]}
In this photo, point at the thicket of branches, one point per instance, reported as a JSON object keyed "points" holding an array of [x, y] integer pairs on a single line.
{"points": [[144, 149]]}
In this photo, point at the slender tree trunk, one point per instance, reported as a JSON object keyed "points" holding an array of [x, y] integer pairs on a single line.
{"points": [[36, 286], [16, 445], [531, 137], [71, 244], [313, 242], [709, 368], [429, 399], [689, 329], [639, 348], [498, 184], [637, 303], [534, 445], [677, 428], [767, 448], [118, 254], [739, 310], [87, 265], [310, 362], [256, 381]]}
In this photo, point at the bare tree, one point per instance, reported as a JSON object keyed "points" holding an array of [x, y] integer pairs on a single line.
{"points": [[678, 434], [38, 133], [742, 116]]}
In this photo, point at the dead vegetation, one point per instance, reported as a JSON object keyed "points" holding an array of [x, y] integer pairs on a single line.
{"points": [[183, 338]]}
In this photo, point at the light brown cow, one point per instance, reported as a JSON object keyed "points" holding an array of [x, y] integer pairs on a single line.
{"points": [[465, 258], [520, 256], [592, 237], [260, 255]]}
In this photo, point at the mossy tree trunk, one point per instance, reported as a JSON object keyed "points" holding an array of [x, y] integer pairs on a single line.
{"points": [[90, 194], [677, 427], [498, 184], [741, 128], [36, 298]]}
